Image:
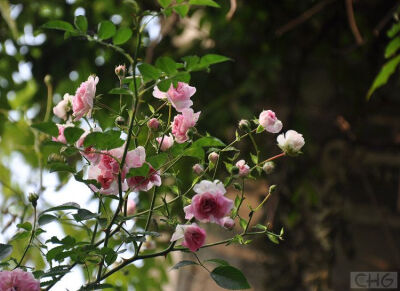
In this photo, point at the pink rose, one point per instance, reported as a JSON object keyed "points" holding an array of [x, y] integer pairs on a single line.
{"points": [[108, 181], [270, 122], [182, 123], [63, 107], [228, 222], [89, 152], [209, 204], [139, 183], [131, 207], [244, 169], [167, 142], [82, 102], [291, 142], [61, 137], [18, 280], [179, 96], [193, 236], [153, 123]]}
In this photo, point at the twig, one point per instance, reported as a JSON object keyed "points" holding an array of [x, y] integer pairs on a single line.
{"points": [[232, 10], [303, 17], [352, 22]]}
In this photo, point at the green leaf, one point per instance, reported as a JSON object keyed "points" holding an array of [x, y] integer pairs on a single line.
{"points": [[59, 25], [5, 251], [65, 206], [164, 85], [212, 59], [106, 30], [143, 171], [191, 62], [273, 238], [260, 129], [243, 223], [182, 10], [392, 47], [149, 72], [254, 158], [84, 214], [120, 91], [208, 141], [104, 140], [81, 23], [381, 79], [164, 3], [229, 277], [26, 225], [219, 262], [181, 77], [60, 167], [204, 3], [158, 160], [167, 65], [21, 235], [195, 152], [183, 263], [110, 255], [72, 134], [395, 29], [122, 36], [46, 218], [49, 128]]}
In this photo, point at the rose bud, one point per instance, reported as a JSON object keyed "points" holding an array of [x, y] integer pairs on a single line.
{"points": [[198, 169], [269, 167], [213, 157], [153, 124]]}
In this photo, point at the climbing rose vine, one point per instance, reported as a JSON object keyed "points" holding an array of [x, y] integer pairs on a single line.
{"points": [[135, 163]]}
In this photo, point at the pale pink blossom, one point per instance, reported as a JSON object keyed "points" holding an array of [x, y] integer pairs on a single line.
{"points": [[213, 157], [243, 124], [131, 207], [291, 142], [106, 171], [270, 122], [198, 169], [63, 107], [209, 204], [167, 142], [18, 280], [182, 123], [179, 96], [193, 236], [82, 102], [140, 183], [153, 123], [228, 222], [244, 169], [89, 152], [61, 137]]}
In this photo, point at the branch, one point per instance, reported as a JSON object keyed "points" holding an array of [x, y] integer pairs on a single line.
{"points": [[303, 17], [352, 22]]}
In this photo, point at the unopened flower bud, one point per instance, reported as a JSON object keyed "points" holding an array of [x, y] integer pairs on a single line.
{"points": [[269, 167], [120, 121], [228, 223], [120, 71], [198, 169], [47, 79], [244, 124], [153, 123], [131, 207], [272, 188], [33, 198], [235, 170], [213, 157]]}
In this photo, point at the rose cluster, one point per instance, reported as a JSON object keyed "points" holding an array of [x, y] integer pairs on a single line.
{"points": [[111, 168]]}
